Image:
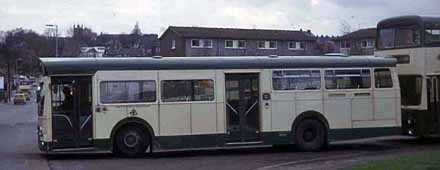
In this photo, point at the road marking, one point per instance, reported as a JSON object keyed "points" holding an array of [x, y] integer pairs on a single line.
{"points": [[307, 161]]}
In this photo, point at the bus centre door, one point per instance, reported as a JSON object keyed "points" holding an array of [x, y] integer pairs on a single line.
{"points": [[242, 107], [434, 98], [71, 112]]}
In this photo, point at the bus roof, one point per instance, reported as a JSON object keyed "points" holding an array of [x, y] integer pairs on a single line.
{"points": [[57, 66], [423, 21]]}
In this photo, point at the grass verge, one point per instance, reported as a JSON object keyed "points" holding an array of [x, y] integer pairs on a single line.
{"points": [[426, 160]]}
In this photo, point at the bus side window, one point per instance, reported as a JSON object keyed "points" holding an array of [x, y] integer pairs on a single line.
{"points": [[347, 79], [383, 78]]}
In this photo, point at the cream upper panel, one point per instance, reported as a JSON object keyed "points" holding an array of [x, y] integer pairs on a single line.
{"points": [[186, 74], [423, 60], [433, 60], [125, 75]]}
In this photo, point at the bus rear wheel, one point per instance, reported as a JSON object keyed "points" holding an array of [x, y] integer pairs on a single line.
{"points": [[131, 141], [310, 135]]}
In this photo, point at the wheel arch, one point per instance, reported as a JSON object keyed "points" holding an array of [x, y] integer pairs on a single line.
{"points": [[133, 121], [310, 115]]}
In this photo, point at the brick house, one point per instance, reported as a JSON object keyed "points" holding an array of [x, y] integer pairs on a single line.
{"points": [[123, 45], [202, 41], [360, 42]]}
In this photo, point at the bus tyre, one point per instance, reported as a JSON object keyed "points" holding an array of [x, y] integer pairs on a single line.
{"points": [[131, 141], [310, 135]]}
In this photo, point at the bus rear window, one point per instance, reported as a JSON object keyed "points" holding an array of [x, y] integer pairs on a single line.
{"points": [[411, 90]]}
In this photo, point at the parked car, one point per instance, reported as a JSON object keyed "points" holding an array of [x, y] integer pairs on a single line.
{"points": [[19, 98], [28, 96]]}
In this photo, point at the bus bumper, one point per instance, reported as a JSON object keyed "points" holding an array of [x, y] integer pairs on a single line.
{"points": [[42, 145], [419, 123]]}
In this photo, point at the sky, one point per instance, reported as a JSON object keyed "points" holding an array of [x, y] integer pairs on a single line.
{"points": [[322, 17]]}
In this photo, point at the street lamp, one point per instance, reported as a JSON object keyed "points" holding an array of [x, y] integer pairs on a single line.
{"points": [[56, 37]]}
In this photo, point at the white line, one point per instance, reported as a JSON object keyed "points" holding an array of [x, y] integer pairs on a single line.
{"points": [[308, 161]]}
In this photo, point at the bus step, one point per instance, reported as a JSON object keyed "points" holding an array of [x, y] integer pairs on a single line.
{"points": [[244, 143]]}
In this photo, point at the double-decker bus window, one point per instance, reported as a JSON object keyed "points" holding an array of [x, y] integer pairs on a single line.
{"points": [[432, 36], [386, 38], [399, 37], [411, 89], [407, 36]]}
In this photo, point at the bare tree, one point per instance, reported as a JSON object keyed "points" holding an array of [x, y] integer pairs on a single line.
{"points": [[345, 27]]}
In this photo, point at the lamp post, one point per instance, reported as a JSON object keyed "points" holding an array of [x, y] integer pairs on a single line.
{"points": [[56, 37]]}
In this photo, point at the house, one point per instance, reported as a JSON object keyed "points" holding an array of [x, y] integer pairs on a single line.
{"points": [[360, 42], [134, 45], [92, 51], [203, 41]]}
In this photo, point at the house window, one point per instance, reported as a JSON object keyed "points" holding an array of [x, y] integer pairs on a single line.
{"points": [[370, 43], [345, 44], [261, 44], [240, 44], [173, 44], [201, 43], [267, 45], [229, 44], [195, 43], [296, 45], [367, 44], [207, 43]]}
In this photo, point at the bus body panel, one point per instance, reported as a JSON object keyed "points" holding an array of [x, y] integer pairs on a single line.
{"points": [[191, 124], [44, 120], [266, 106], [189, 114], [418, 67], [111, 114]]}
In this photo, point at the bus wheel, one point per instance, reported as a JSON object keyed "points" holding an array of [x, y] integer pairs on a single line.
{"points": [[310, 135], [131, 141]]}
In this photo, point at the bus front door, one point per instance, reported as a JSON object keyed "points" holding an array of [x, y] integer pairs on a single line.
{"points": [[71, 112], [242, 107]]}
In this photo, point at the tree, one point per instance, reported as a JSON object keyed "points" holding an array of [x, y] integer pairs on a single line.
{"points": [[345, 27], [136, 30]]}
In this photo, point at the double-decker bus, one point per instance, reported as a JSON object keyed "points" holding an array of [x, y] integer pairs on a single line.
{"points": [[136, 105], [415, 42]]}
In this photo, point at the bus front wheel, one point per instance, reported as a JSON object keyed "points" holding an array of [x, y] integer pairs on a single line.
{"points": [[131, 141], [310, 135]]}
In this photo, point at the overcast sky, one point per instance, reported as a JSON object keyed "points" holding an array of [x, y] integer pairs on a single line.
{"points": [[154, 16]]}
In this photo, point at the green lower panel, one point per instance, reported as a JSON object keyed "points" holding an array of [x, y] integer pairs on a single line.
{"points": [[190, 141], [103, 144], [268, 138], [357, 133]]}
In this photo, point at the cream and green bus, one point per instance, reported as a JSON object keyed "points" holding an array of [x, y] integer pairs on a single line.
{"points": [[132, 106], [415, 42]]}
